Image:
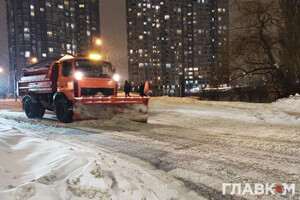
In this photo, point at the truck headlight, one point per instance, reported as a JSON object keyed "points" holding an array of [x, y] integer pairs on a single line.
{"points": [[116, 77], [78, 76]]}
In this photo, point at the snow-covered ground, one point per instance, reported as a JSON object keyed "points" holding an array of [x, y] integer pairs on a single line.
{"points": [[35, 168], [187, 150]]}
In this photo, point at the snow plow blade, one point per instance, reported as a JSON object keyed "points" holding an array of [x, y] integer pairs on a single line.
{"points": [[94, 108]]}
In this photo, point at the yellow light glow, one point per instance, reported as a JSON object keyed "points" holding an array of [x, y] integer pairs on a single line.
{"points": [[1, 70], [98, 42], [95, 57], [34, 60]]}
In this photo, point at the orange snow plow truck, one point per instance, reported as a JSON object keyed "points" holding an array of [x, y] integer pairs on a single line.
{"points": [[76, 88]]}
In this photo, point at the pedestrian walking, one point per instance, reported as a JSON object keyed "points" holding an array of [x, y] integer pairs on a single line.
{"points": [[141, 89], [127, 89]]}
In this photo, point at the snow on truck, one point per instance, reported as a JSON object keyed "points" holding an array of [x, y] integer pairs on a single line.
{"points": [[76, 88]]}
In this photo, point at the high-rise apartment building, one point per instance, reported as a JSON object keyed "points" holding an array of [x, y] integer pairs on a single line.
{"points": [[40, 30], [177, 45]]}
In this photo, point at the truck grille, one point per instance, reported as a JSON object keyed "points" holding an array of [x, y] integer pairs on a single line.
{"points": [[97, 91]]}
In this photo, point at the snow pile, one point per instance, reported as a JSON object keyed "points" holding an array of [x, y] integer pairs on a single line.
{"points": [[290, 105], [34, 169], [284, 111]]}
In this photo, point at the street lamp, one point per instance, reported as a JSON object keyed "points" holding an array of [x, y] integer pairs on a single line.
{"points": [[34, 60], [2, 72], [98, 41]]}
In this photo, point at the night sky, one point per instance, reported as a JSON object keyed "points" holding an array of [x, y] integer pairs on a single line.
{"points": [[113, 33]]}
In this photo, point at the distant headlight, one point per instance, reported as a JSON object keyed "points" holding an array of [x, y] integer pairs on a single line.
{"points": [[116, 77], [79, 76]]}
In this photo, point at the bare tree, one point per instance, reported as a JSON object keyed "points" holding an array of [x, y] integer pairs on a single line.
{"points": [[290, 42], [257, 47]]}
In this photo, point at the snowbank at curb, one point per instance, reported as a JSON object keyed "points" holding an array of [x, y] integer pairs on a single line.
{"points": [[291, 104], [34, 169], [284, 111]]}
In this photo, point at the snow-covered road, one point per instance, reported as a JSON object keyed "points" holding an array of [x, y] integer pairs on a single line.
{"points": [[202, 144]]}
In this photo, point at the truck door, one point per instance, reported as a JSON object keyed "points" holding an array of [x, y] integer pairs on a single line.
{"points": [[65, 80]]}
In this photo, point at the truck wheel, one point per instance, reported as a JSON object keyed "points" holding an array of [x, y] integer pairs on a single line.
{"points": [[40, 111], [63, 113], [29, 108]]}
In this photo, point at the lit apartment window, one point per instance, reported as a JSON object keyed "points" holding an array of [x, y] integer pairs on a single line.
{"points": [[44, 55], [81, 6], [26, 36], [27, 54], [49, 33], [50, 49], [60, 6]]}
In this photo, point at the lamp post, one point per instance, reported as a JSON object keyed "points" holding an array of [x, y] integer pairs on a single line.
{"points": [[98, 42], [33, 60], [2, 72]]}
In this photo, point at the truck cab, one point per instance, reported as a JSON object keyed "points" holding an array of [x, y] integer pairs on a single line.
{"points": [[53, 85], [80, 76]]}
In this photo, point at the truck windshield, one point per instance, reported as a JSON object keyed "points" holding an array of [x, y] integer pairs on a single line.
{"points": [[94, 69]]}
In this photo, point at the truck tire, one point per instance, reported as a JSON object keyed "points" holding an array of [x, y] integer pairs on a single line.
{"points": [[29, 108], [39, 111], [33, 110], [63, 112]]}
